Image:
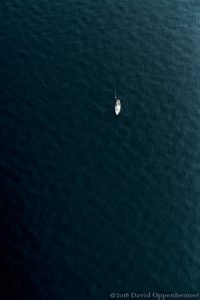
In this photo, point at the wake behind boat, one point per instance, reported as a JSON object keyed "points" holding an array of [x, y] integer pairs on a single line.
{"points": [[117, 105]]}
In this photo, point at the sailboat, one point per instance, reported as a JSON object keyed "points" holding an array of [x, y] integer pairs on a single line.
{"points": [[117, 104]]}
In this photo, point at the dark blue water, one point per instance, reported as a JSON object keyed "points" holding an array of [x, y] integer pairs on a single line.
{"points": [[91, 203]]}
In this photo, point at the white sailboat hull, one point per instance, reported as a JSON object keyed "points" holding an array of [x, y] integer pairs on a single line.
{"points": [[117, 107]]}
